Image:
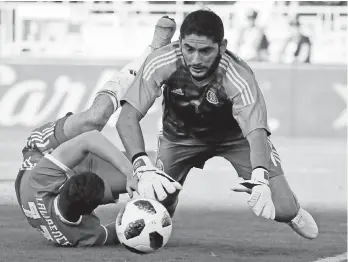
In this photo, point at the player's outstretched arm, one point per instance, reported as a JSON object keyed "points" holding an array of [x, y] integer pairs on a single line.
{"points": [[72, 152]]}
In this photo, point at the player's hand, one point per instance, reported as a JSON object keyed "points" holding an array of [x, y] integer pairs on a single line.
{"points": [[132, 185], [152, 182], [260, 199]]}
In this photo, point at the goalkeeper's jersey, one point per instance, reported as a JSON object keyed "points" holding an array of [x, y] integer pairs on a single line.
{"points": [[225, 106]]}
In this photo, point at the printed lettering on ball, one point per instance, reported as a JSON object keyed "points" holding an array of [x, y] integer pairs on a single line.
{"points": [[143, 226]]}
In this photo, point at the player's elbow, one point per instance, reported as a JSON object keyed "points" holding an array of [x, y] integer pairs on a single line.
{"points": [[89, 136], [256, 135], [88, 139]]}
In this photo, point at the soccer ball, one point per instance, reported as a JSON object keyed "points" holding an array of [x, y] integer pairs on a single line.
{"points": [[143, 226]]}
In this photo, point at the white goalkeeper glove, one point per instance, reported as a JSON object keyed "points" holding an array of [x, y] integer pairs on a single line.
{"points": [[260, 199], [152, 182]]}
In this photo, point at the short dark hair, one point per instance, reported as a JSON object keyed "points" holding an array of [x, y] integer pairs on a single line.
{"points": [[82, 193], [203, 23]]}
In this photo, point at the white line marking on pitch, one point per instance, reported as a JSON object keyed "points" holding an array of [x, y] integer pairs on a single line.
{"points": [[337, 258]]}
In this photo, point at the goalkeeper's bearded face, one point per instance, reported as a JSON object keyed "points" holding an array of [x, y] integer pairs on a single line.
{"points": [[201, 54]]}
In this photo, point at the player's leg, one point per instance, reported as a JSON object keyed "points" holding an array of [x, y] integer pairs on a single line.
{"points": [[176, 160], [106, 101], [285, 201], [286, 205], [163, 34]]}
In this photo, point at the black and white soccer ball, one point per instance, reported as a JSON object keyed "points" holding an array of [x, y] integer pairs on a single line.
{"points": [[143, 226]]}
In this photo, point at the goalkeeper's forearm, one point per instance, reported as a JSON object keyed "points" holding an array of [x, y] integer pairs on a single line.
{"points": [[128, 127], [260, 151]]}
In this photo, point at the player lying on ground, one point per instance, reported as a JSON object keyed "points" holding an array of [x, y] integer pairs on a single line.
{"points": [[60, 203], [48, 136], [213, 106]]}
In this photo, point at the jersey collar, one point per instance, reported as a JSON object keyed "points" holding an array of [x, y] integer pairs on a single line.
{"points": [[60, 216]]}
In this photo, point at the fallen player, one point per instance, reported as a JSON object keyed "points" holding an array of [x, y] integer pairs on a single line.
{"points": [[44, 140], [59, 202]]}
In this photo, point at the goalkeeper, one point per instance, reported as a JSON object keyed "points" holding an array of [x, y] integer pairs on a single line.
{"points": [[212, 106]]}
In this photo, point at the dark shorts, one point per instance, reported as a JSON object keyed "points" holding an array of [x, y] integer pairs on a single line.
{"points": [[177, 158]]}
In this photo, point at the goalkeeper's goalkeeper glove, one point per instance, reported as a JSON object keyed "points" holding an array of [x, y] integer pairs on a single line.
{"points": [[260, 199], [152, 182]]}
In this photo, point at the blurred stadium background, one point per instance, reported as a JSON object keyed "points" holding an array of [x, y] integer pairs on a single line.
{"points": [[108, 29], [55, 55]]}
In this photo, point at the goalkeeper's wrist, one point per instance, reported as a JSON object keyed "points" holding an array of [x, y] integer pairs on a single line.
{"points": [[138, 155], [142, 163], [266, 169], [260, 174]]}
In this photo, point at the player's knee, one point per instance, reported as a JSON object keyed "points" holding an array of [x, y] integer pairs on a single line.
{"points": [[285, 215], [99, 113], [97, 121]]}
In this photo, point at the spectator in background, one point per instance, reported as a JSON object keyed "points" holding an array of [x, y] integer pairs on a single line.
{"points": [[253, 43], [297, 47]]}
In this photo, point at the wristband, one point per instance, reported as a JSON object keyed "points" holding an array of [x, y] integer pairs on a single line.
{"points": [[260, 167], [137, 155], [265, 175]]}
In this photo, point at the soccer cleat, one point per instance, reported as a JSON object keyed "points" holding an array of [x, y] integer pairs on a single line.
{"points": [[304, 225], [164, 31]]}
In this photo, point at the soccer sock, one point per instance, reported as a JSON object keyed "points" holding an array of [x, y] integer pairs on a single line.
{"points": [[164, 31]]}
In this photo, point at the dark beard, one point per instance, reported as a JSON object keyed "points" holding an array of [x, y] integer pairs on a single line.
{"points": [[211, 69]]}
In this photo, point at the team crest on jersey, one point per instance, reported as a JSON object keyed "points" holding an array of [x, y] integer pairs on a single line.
{"points": [[212, 98], [159, 164], [178, 91]]}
